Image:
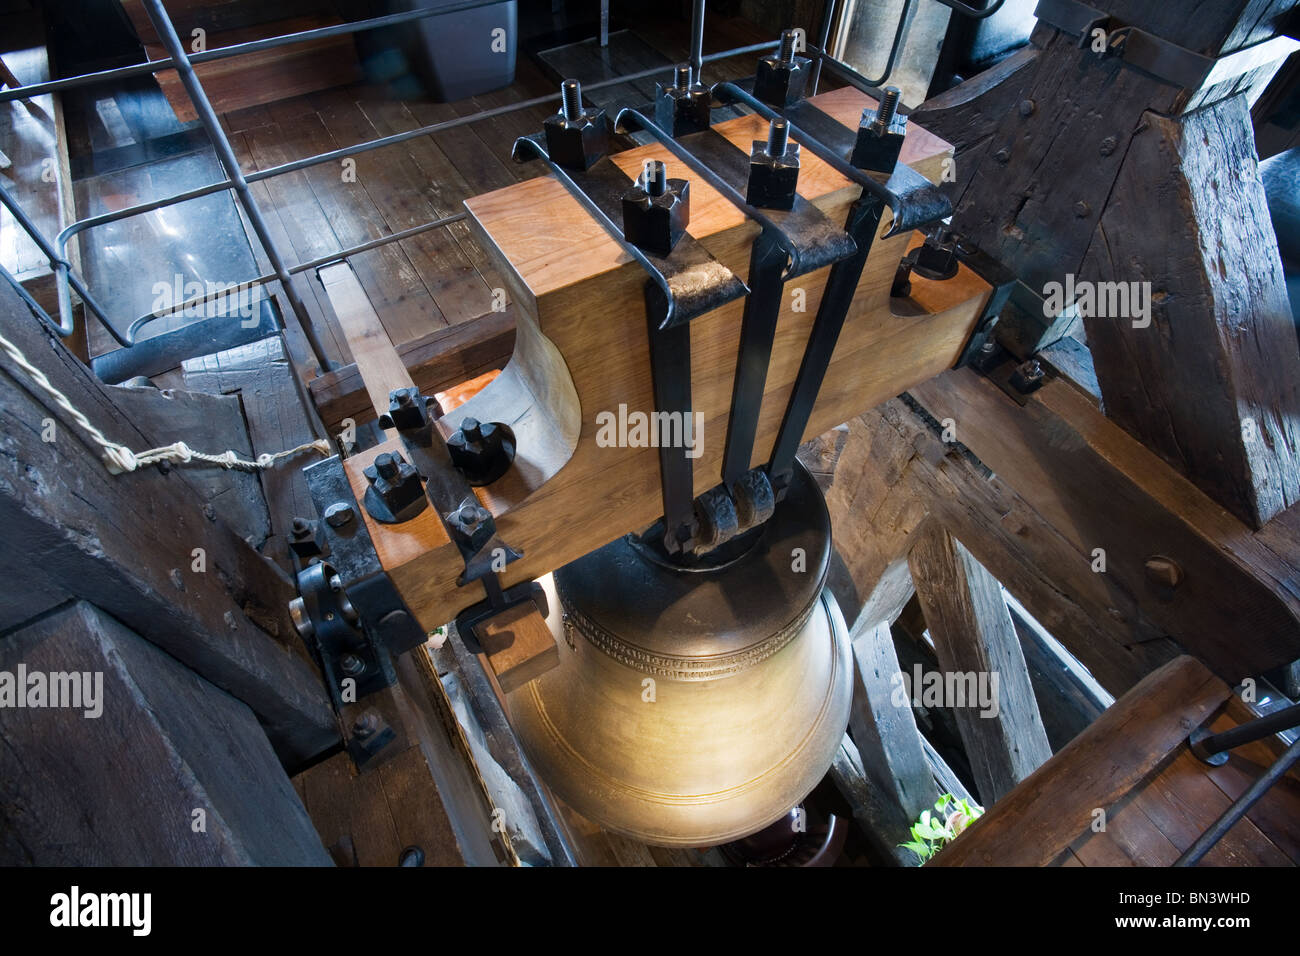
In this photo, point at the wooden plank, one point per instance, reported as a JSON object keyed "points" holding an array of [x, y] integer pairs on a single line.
{"points": [[377, 361], [193, 750], [568, 368], [1129, 839], [888, 742], [974, 637], [261, 376], [91, 529], [1210, 382], [1047, 811], [392, 182], [435, 361], [1238, 604]]}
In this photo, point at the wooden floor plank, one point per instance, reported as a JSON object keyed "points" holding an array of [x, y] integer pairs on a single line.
{"points": [[391, 282], [391, 181]]}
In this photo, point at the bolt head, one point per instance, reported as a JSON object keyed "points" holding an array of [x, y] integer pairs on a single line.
{"points": [[1163, 572], [1027, 108], [386, 465], [352, 665], [1109, 145], [338, 514]]}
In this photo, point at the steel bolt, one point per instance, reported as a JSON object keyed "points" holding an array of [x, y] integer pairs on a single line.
{"points": [[683, 74], [472, 429], [338, 514], [301, 526], [787, 45], [1163, 572], [571, 91], [386, 466], [654, 178], [1109, 145], [1082, 209], [1027, 108], [778, 134], [352, 665], [365, 725], [887, 108]]}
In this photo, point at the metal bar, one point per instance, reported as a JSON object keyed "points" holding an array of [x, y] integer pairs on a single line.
{"points": [[1240, 807], [828, 16], [238, 49], [26, 296], [208, 117], [863, 224], [1258, 729], [298, 269], [697, 37], [62, 268]]}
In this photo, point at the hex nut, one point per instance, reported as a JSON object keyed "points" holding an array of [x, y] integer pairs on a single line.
{"points": [[878, 146], [781, 82], [656, 223], [576, 143], [773, 180]]}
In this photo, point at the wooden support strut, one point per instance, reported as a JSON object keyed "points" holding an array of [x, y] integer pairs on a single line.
{"points": [[1076, 168]]}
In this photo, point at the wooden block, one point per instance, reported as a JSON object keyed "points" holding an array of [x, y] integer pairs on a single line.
{"points": [[519, 646], [581, 349], [119, 784]]}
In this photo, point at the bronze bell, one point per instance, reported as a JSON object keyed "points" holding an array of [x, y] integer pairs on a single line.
{"points": [[693, 705]]}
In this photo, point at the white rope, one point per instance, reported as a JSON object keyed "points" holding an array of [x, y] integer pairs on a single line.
{"points": [[119, 459]]}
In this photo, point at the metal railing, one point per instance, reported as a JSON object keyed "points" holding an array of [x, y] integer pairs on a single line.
{"points": [[236, 180]]}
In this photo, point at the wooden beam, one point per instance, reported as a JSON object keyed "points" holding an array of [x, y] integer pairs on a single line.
{"points": [[887, 740], [1235, 604], [1041, 817], [582, 352], [1091, 173], [974, 637], [134, 545], [1210, 379], [169, 771]]}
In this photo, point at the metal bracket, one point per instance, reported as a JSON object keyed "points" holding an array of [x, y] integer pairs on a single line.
{"points": [[350, 606], [915, 201], [1003, 281], [792, 243], [682, 286]]}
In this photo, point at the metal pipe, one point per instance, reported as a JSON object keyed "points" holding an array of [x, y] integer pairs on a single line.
{"points": [[62, 268], [1257, 729], [298, 269], [26, 296], [1240, 807], [828, 16], [208, 117], [697, 37], [853, 76], [238, 49]]}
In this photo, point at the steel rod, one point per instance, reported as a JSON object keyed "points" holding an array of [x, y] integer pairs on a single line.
{"points": [[1240, 807], [1258, 729], [968, 11], [62, 268], [828, 16], [208, 117], [697, 37], [238, 49]]}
